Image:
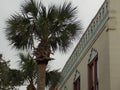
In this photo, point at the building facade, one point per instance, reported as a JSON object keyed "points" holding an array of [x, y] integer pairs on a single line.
{"points": [[95, 62]]}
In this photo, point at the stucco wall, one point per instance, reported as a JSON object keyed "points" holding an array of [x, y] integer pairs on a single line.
{"points": [[100, 43], [114, 43]]}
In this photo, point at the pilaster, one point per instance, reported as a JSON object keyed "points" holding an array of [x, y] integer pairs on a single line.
{"points": [[114, 43]]}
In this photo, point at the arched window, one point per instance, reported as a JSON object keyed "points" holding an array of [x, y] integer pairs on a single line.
{"points": [[76, 83], [92, 71]]}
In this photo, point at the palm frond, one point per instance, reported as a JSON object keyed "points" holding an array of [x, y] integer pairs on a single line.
{"points": [[31, 7], [20, 31], [52, 77], [67, 12], [28, 67], [64, 28]]}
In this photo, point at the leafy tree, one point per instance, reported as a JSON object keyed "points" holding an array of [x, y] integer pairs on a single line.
{"points": [[53, 28], [15, 78], [9, 78], [3, 74]]}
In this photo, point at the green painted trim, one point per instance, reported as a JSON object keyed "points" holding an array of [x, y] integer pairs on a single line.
{"points": [[77, 75], [92, 54]]}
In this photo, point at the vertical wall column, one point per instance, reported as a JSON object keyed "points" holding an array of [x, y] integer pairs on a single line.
{"points": [[114, 43]]}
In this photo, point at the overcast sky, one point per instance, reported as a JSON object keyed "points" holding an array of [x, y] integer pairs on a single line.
{"points": [[86, 11]]}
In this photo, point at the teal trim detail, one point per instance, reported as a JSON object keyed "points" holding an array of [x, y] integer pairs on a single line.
{"points": [[77, 75], [92, 55]]}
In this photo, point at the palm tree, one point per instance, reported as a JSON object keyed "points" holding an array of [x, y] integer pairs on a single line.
{"points": [[28, 67], [53, 28], [52, 79]]}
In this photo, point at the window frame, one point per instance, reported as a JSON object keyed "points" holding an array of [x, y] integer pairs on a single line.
{"points": [[76, 84], [92, 74]]}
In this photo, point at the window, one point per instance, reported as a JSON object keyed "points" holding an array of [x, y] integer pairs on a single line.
{"points": [[92, 72], [76, 83], [92, 75]]}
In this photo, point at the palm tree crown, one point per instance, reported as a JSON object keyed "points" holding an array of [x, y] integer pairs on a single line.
{"points": [[56, 26]]}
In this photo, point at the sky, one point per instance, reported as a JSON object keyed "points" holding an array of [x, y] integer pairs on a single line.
{"points": [[87, 9]]}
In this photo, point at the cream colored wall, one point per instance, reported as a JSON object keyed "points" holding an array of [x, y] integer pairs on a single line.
{"points": [[114, 43], [101, 45]]}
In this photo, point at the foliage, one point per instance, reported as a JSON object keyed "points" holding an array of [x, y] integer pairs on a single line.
{"points": [[9, 78], [28, 67], [4, 69], [15, 77]]}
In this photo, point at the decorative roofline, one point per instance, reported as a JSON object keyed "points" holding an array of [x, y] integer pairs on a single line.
{"points": [[94, 27]]}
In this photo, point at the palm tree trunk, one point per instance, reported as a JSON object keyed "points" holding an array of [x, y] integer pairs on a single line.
{"points": [[42, 53], [31, 87], [41, 75]]}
